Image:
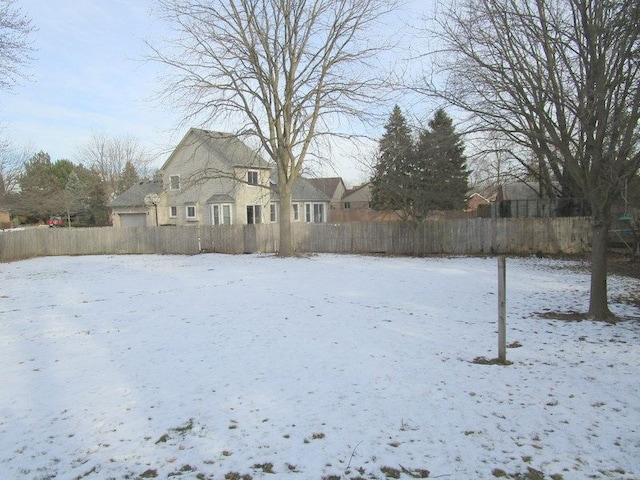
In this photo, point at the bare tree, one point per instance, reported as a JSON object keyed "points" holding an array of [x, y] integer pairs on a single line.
{"points": [[286, 72], [560, 77], [11, 167], [15, 46], [111, 158]]}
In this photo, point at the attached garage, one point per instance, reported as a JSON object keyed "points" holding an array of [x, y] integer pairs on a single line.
{"points": [[133, 220]]}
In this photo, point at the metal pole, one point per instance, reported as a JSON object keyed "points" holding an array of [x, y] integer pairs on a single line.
{"points": [[502, 309]]}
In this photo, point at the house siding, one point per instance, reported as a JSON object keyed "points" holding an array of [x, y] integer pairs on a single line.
{"points": [[213, 169]]}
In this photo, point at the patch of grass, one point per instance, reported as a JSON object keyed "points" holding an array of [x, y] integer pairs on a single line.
{"points": [[315, 436], [183, 429], [150, 473], [226, 453], [499, 473], [163, 438], [416, 472], [237, 476], [265, 467], [493, 361], [390, 472]]}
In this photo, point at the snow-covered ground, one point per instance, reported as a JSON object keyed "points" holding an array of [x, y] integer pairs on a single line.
{"points": [[322, 367]]}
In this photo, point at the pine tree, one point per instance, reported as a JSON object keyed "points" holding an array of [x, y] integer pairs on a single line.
{"points": [[128, 177], [391, 183], [440, 167]]}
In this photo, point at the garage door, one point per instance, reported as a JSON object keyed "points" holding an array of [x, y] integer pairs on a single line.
{"points": [[133, 219]]}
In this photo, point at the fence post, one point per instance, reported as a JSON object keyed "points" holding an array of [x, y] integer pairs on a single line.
{"points": [[502, 310]]}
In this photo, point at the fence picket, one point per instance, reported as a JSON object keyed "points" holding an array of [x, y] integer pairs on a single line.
{"points": [[460, 236]]}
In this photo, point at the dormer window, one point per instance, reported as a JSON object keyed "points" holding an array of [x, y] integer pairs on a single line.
{"points": [[174, 182], [252, 177]]}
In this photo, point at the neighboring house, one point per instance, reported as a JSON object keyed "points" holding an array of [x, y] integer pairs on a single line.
{"points": [[477, 200], [523, 199], [334, 188], [213, 178], [135, 207], [356, 207]]}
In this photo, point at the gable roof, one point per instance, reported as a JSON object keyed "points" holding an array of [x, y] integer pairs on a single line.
{"points": [[134, 196], [303, 191], [227, 147], [361, 193], [328, 185]]}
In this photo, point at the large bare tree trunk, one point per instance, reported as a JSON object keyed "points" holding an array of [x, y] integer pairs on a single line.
{"points": [[286, 235], [600, 223]]}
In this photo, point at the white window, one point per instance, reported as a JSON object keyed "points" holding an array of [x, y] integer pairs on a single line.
{"points": [[173, 212], [252, 177], [296, 212], [254, 214], [273, 212], [221, 214], [191, 212], [174, 182], [314, 212]]}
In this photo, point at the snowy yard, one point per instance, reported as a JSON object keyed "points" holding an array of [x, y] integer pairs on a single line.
{"points": [[328, 367]]}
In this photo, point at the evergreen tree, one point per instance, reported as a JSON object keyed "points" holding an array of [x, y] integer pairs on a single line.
{"points": [[41, 188], [391, 183], [128, 177], [415, 179], [440, 167]]}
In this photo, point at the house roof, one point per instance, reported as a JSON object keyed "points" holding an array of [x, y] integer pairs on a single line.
{"points": [[328, 185], [303, 191], [229, 149], [360, 193], [221, 198], [134, 196], [520, 191]]}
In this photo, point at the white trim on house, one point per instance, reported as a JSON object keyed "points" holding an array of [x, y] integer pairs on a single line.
{"points": [[191, 213], [315, 212], [221, 214], [253, 177], [254, 214]]}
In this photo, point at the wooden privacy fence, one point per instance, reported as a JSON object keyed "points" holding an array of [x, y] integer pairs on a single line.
{"points": [[464, 236]]}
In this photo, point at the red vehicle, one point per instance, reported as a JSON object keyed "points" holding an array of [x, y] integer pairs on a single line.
{"points": [[55, 221]]}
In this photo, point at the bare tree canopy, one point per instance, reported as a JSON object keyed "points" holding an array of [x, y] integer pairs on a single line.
{"points": [[112, 158], [559, 77], [286, 72], [15, 46]]}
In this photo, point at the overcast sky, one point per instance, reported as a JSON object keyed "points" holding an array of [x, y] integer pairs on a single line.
{"points": [[88, 76]]}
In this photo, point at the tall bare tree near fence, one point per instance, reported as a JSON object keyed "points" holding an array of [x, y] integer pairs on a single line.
{"points": [[286, 72], [560, 77]]}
